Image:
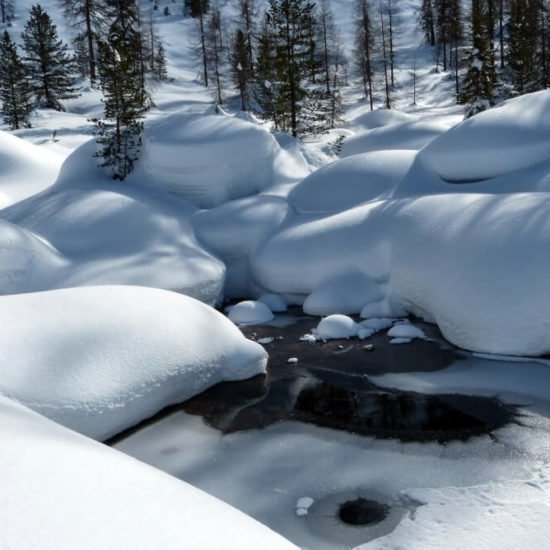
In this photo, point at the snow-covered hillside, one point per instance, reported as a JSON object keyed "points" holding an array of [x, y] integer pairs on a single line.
{"points": [[107, 291]]}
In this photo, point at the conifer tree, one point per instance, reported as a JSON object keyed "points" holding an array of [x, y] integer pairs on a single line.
{"points": [[15, 94], [88, 17], [427, 21], [160, 70], [247, 24], [364, 44], [216, 53], [480, 79], [51, 69], [241, 67], [6, 11], [125, 98], [195, 8]]}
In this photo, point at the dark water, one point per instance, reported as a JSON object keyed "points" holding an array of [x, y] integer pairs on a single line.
{"points": [[362, 511], [330, 387]]}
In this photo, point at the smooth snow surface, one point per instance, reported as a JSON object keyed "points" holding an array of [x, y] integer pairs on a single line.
{"points": [[61, 490], [274, 302], [406, 331], [25, 169], [250, 312], [100, 359]]}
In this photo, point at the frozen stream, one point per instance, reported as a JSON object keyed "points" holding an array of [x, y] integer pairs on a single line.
{"points": [[420, 471]]}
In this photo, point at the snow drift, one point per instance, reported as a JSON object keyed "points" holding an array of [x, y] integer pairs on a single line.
{"points": [[100, 359]]}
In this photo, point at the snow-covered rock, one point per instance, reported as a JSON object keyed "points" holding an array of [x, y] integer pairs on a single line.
{"points": [[83, 237], [406, 330], [336, 326], [210, 159], [62, 490], [346, 294], [250, 312], [351, 181], [100, 359], [274, 302]]}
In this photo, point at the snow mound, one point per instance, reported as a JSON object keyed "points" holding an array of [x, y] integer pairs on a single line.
{"points": [[25, 169], [250, 312], [351, 181], [108, 237], [406, 330], [380, 117], [504, 139], [61, 490], [407, 135], [210, 159], [335, 327], [235, 230], [342, 294], [274, 302], [100, 359]]}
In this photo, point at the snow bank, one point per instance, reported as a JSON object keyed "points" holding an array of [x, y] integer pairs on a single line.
{"points": [[234, 231], [407, 135], [274, 302], [381, 117], [100, 359], [504, 139], [210, 159], [91, 236], [25, 169], [351, 181], [407, 331], [250, 312], [61, 490]]}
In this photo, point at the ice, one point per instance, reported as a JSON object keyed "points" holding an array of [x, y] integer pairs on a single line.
{"points": [[62, 490], [250, 312], [100, 359], [336, 326]]}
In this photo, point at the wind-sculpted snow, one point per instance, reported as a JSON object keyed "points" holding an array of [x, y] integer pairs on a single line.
{"points": [[210, 159], [61, 490], [25, 169], [100, 359]]}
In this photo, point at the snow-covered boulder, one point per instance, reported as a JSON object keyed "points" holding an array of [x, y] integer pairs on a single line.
{"points": [[94, 236], [335, 327], [351, 181], [234, 231], [380, 117], [507, 138], [407, 135], [274, 302], [62, 490], [346, 293], [100, 359], [210, 159], [25, 169], [250, 312]]}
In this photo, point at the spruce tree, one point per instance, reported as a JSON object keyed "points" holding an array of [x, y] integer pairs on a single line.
{"points": [[125, 98], [15, 93], [241, 68], [364, 45], [427, 21], [6, 11], [51, 69], [480, 79]]}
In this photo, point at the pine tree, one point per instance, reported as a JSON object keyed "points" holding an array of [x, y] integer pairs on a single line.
{"points": [[247, 24], [216, 53], [364, 44], [266, 87], [15, 93], [290, 23], [125, 97], [480, 80], [51, 69], [241, 68], [427, 21], [195, 8], [6, 11], [161, 72], [88, 17]]}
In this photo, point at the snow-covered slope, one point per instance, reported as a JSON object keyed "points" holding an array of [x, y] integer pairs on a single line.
{"points": [[100, 359], [61, 490]]}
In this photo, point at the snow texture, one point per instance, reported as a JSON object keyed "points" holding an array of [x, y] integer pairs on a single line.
{"points": [[100, 359], [62, 490]]}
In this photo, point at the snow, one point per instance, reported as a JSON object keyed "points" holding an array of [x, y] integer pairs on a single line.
{"points": [[336, 326], [406, 330], [25, 169], [250, 312], [180, 149], [100, 359], [348, 182], [274, 302], [62, 490]]}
